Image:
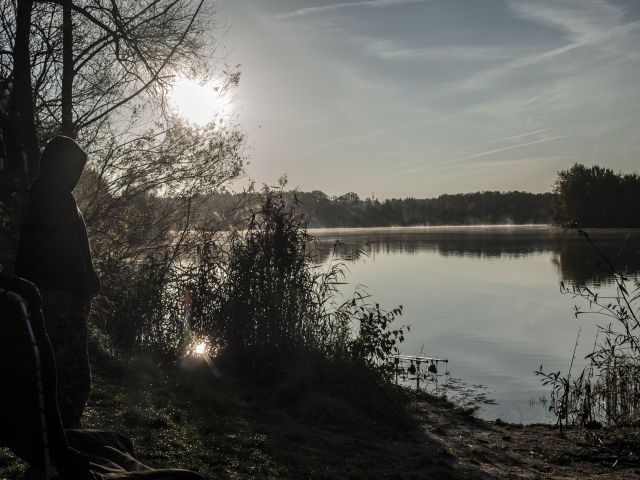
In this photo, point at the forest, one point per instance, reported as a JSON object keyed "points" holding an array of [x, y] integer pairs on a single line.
{"points": [[349, 210]]}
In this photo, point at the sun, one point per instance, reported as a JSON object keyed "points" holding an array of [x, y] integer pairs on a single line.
{"points": [[199, 102], [200, 349]]}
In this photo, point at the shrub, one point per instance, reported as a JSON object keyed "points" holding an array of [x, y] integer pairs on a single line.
{"points": [[278, 306]]}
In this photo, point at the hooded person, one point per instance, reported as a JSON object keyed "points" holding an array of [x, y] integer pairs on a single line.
{"points": [[54, 254]]}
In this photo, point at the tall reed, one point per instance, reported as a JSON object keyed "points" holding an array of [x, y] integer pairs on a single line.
{"points": [[607, 390]]}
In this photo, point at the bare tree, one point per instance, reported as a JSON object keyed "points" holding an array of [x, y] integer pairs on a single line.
{"points": [[99, 70], [74, 65], [143, 190]]}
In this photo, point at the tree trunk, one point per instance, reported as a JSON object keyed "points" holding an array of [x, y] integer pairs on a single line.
{"points": [[22, 148], [68, 127], [21, 141]]}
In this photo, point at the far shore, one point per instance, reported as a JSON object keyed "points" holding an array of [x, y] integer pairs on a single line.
{"points": [[413, 228], [466, 228]]}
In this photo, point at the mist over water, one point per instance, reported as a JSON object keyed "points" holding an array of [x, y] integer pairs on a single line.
{"points": [[487, 298]]}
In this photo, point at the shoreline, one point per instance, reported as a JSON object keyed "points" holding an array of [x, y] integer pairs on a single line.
{"points": [[231, 428]]}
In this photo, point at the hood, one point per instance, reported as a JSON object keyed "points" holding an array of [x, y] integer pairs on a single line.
{"points": [[61, 163]]}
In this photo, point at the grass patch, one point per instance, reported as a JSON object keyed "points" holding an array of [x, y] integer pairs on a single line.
{"points": [[233, 427]]}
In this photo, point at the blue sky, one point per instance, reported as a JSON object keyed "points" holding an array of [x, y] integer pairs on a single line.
{"points": [[421, 97]]}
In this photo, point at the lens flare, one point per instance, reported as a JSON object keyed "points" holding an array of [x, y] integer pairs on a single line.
{"points": [[199, 352], [200, 347]]}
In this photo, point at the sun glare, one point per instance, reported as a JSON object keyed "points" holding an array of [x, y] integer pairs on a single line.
{"points": [[200, 349], [199, 103]]}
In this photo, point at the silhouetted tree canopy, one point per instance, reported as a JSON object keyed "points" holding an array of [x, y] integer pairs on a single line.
{"points": [[596, 197]]}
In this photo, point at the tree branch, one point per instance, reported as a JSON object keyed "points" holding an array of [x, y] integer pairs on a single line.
{"points": [[155, 77]]}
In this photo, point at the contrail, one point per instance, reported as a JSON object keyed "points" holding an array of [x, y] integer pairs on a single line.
{"points": [[520, 135], [482, 154], [489, 152], [499, 140]]}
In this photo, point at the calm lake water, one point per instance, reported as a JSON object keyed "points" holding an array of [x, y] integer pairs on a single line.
{"points": [[488, 299]]}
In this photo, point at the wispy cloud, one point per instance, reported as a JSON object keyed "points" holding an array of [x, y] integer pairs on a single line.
{"points": [[586, 23], [595, 23], [581, 19], [388, 50], [339, 6], [488, 78]]}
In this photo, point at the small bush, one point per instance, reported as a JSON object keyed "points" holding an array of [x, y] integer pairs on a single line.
{"points": [[278, 307]]}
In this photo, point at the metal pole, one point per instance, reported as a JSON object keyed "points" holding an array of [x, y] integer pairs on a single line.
{"points": [[396, 362]]}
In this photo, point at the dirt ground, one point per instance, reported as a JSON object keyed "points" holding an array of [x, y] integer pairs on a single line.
{"points": [[501, 450], [230, 429]]}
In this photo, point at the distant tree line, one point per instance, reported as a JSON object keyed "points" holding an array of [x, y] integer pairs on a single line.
{"points": [[596, 197], [586, 196], [459, 209], [349, 210]]}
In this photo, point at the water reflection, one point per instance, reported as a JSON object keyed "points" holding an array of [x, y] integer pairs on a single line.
{"points": [[575, 260], [487, 298]]}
